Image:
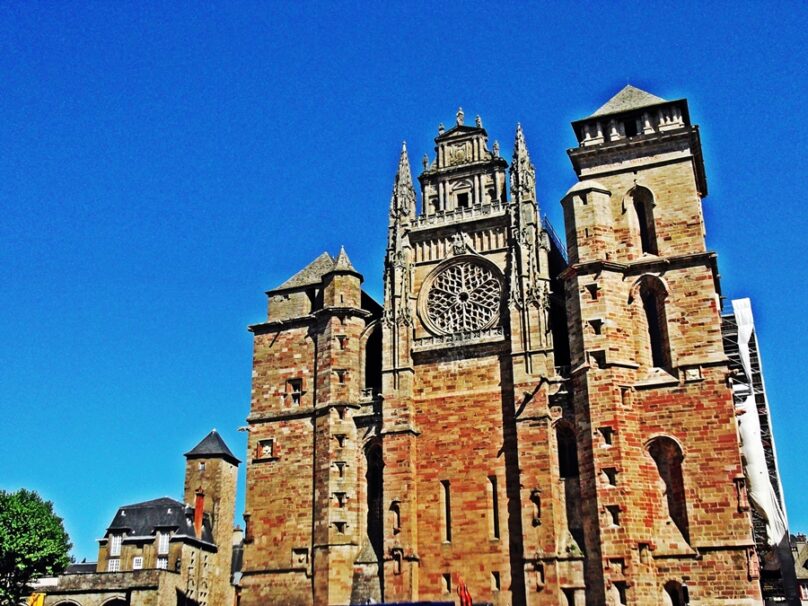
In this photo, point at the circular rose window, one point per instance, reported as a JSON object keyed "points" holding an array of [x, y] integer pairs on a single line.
{"points": [[462, 297]]}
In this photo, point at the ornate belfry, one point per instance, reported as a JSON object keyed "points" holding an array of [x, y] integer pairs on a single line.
{"points": [[471, 393]]}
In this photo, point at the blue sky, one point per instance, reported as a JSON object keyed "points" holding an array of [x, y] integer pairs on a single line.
{"points": [[162, 166]]}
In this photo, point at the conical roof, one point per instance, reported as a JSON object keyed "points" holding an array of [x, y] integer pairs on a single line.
{"points": [[342, 262], [630, 97], [212, 446], [311, 274]]}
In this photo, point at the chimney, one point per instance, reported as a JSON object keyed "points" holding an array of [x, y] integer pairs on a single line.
{"points": [[199, 509]]}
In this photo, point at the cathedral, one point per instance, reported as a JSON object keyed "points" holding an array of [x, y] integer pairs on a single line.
{"points": [[540, 424]]}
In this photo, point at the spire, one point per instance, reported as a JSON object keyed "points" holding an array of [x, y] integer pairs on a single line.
{"points": [[342, 262], [523, 173], [402, 203]]}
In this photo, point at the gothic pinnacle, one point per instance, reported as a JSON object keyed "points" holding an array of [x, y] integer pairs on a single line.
{"points": [[519, 145], [403, 200]]}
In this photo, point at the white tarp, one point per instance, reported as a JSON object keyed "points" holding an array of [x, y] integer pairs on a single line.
{"points": [[760, 489]]}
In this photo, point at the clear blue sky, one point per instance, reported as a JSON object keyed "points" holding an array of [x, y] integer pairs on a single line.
{"points": [[162, 166]]}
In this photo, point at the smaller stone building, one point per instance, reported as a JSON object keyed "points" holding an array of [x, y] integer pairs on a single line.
{"points": [[165, 552]]}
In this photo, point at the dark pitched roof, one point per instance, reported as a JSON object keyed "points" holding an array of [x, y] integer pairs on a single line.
{"points": [[212, 445], [81, 568], [627, 99], [145, 519], [311, 274]]}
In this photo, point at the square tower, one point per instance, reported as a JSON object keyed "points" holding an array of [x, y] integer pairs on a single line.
{"points": [[661, 469]]}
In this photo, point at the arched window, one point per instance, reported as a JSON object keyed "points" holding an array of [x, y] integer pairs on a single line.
{"points": [[642, 201], [668, 458], [655, 344]]}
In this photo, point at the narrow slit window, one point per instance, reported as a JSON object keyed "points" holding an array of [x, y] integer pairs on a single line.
{"points": [[446, 510], [496, 584], [446, 579], [644, 209], [492, 488], [614, 514]]}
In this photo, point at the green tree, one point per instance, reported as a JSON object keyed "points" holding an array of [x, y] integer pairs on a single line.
{"points": [[33, 543]]}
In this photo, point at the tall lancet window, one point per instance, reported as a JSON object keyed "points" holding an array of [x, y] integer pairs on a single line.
{"points": [[668, 458], [643, 202], [650, 294]]}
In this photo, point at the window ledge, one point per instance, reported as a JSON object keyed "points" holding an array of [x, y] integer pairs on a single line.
{"points": [[265, 459]]}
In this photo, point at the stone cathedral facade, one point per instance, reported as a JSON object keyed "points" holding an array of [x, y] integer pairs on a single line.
{"points": [[552, 426]]}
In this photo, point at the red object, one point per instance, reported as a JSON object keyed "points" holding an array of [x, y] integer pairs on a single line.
{"points": [[463, 592], [199, 508]]}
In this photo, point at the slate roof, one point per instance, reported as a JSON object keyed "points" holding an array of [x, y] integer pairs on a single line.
{"points": [[144, 519], [81, 568], [311, 274], [627, 99], [212, 445]]}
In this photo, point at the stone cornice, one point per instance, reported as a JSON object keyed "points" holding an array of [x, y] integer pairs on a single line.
{"points": [[640, 266]]}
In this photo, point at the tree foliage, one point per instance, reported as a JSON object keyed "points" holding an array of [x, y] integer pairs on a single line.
{"points": [[33, 543]]}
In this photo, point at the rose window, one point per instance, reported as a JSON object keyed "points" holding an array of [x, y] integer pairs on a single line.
{"points": [[463, 297]]}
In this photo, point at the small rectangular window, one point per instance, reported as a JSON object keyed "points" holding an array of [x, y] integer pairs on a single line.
{"points": [[114, 565], [266, 449], [294, 388], [446, 510], [115, 545], [462, 200], [162, 563], [137, 563]]}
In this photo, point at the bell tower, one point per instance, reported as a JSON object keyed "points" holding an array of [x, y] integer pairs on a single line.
{"points": [[661, 483]]}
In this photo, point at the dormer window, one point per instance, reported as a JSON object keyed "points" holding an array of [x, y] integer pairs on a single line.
{"points": [[162, 542], [115, 545]]}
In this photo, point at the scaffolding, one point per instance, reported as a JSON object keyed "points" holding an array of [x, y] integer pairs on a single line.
{"points": [[775, 584]]}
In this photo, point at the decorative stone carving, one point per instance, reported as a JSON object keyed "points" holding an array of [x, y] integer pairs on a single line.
{"points": [[462, 297]]}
